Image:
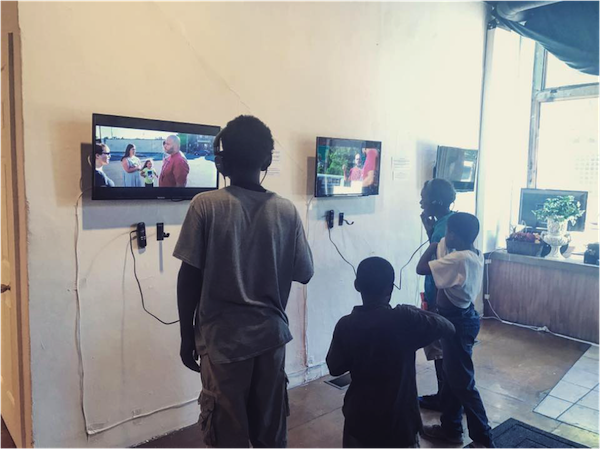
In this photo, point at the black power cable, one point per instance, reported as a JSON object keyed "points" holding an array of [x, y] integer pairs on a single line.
{"points": [[338, 250], [140, 285]]}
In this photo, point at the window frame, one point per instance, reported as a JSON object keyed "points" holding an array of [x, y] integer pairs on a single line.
{"points": [[539, 95]]}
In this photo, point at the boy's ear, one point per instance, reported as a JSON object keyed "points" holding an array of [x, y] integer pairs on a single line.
{"points": [[356, 286]]}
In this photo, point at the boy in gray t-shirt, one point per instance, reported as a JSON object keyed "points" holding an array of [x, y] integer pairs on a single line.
{"points": [[241, 248]]}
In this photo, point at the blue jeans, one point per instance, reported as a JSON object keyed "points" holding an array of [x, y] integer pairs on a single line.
{"points": [[458, 391]]}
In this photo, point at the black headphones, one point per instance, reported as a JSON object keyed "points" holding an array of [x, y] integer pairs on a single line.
{"points": [[220, 158], [434, 202]]}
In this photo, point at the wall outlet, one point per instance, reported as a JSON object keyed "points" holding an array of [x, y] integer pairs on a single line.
{"points": [[341, 219]]}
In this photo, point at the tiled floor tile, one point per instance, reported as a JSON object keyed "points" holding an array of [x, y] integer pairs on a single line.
{"points": [[592, 353], [583, 417], [587, 364], [552, 407], [589, 439], [568, 391], [590, 400], [582, 378]]}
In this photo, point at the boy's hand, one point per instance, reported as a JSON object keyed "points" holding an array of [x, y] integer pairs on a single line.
{"points": [[428, 222], [188, 355]]}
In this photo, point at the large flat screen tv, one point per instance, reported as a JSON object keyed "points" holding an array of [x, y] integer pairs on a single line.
{"points": [[458, 166], [347, 167], [135, 158], [533, 199]]}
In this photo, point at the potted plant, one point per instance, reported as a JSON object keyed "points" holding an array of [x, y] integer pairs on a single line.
{"points": [[525, 243], [558, 212]]}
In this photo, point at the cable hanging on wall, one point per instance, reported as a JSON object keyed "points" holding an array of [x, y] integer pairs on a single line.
{"points": [[399, 286], [168, 323], [339, 252]]}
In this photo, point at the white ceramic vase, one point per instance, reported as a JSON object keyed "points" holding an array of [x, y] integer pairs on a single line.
{"points": [[556, 236]]}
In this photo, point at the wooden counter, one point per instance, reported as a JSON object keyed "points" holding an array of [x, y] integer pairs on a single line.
{"points": [[562, 295]]}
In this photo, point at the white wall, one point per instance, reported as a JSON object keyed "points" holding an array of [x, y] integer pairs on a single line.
{"points": [[408, 74]]}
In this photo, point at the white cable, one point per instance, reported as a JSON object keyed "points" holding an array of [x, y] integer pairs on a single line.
{"points": [[399, 287], [141, 415], [305, 287], [307, 218], [78, 314]]}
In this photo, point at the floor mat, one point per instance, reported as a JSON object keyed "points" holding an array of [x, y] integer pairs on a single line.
{"points": [[514, 433]]}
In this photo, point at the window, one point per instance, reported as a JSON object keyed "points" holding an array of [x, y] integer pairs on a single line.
{"points": [[560, 74], [563, 143]]}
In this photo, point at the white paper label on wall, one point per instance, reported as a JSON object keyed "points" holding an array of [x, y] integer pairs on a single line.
{"points": [[400, 168], [275, 167]]}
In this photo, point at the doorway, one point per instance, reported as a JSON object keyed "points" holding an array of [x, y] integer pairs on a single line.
{"points": [[15, 374]]}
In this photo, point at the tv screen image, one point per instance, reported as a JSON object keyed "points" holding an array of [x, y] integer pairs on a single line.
{"points": [[347, 167], [152, 159], [458, 166]]}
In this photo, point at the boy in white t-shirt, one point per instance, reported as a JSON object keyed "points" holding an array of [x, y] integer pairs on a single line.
{"points": [[458, 274]]}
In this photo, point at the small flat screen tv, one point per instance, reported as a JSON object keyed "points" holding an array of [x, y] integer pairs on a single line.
{"points": [[347, 167], [458, 166], [151, 159], [533, 199]]}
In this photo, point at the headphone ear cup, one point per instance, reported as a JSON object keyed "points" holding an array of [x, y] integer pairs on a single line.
{"points": [[267, 163], [221, 165]]}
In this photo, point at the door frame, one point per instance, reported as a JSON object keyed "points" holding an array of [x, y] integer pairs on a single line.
{"points": [[11, 33]]}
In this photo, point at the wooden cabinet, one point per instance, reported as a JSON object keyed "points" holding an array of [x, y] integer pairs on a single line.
{"points": [[559, 294]]}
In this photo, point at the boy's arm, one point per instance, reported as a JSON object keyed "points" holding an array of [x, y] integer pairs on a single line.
{"points": [[190, 250], [337, 362], [303, 260], [448, 271], [189, 290], [423, 265], [425, 327]]}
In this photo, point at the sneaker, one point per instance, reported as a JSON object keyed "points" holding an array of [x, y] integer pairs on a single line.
{"points": [[431, 402], [436, 432]]}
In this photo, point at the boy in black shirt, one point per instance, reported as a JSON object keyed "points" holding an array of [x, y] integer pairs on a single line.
{"points": [[377, 344]]}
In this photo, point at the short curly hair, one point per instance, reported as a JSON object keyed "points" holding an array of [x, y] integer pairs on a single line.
{"points": [[441, 190], [464, 225], [247, 142], [375, 276]]}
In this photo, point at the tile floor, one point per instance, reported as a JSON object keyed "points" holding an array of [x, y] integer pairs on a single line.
{"points": [[574, 399], [516, 369]]}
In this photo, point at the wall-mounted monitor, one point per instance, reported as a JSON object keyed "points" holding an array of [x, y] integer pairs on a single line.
{"points": [[533, 199], [135, 158], [458, 166], [347, 167]]}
